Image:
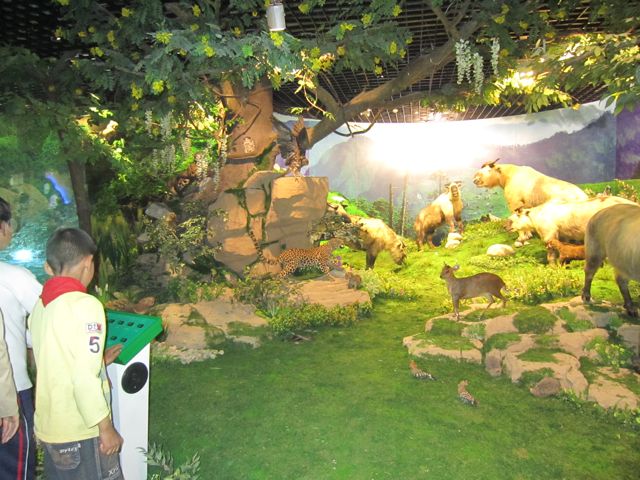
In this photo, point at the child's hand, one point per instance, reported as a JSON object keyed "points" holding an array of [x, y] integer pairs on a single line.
{"points": [[111, 353], [9, 426], [110, 439]]}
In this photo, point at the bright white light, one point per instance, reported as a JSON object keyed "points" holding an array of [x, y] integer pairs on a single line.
{"points": [[22, 255]]}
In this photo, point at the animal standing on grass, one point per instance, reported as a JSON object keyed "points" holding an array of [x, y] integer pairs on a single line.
{"points": [[418, 373], [566, 251], [612, 233], [447, 207], [526, 187], [483, 284], [464, 395]]}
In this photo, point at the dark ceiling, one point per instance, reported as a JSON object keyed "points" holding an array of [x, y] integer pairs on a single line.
{"points": [[31, 23]]}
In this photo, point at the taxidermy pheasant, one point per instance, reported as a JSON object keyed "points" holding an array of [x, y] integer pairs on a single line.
{"points": [[464, 395], [289, 142], [419, 374]]}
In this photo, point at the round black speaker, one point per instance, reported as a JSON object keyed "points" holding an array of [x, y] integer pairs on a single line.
{"points": [[135, 377]]}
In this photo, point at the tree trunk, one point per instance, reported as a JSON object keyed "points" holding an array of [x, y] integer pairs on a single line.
{"points": [[78, 174]]}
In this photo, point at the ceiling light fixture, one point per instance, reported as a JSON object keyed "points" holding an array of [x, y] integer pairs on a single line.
{"points": [[275, 16]]}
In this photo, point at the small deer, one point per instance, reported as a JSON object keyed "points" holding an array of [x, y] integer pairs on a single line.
{"points": [[481, 284]]}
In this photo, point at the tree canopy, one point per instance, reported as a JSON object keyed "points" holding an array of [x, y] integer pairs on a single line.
{"points": [[163, 56]]}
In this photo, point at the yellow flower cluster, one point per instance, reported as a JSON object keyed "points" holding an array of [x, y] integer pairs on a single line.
{"points": [[136, 91], [209, 51], [157, 87], [164, 37], [393, 47], [367, 18], [96, 51], [126, 12], [276, 38], [397, 10], [196, 10], [341, 50], [378, 70], [64, 3]]}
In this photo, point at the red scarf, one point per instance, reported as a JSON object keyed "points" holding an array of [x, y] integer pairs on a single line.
{"points": [[56, 286]]}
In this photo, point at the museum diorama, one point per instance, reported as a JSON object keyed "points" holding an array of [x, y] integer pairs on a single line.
{"points": [[366, 239]]}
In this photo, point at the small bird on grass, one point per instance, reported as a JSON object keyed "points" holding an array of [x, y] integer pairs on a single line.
{"points": [[464, 395], [419, 374]]}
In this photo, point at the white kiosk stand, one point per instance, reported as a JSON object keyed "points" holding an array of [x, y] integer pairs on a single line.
{"points": [[130, 408], [129, 376]]}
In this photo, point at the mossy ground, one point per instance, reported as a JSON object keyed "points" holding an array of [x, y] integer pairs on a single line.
{"points": [[344, 405]]}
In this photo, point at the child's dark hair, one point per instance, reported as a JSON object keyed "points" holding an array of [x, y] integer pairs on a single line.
{"points": [[67, 247], [5, 211]]}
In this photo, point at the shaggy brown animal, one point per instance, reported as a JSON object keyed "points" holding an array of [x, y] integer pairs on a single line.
{"points": [[566, 251]]}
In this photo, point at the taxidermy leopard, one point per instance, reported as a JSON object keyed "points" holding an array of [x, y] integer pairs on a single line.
{"points": [[294, 258]]}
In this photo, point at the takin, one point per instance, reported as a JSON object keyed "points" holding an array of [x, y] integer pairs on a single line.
{"points": [[612, 233], [559, 221], [447, 207], [481, 284], [525, 187], [375, 236], [566, 251]]}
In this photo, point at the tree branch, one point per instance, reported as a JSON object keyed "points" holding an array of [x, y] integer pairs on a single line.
{"points": [[452, 31], [414, 72]]}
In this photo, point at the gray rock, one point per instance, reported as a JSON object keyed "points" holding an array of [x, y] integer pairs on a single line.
{"points": [[546, 387]]}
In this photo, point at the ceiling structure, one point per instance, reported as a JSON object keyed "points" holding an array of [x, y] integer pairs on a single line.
{"points": [[31, 23]]}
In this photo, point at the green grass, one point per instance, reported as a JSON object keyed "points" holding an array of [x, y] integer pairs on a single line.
{"points": [[344, 405], [501, 341], [534, 320], [540, 354]]}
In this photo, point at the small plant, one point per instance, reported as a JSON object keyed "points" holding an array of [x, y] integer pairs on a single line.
{"points": [[501, 341], [270, 295], [386, 285], [186, 290], [529, 379], [476, 331], [158, 457], [534, 320], [610, 354], [572, 323]]}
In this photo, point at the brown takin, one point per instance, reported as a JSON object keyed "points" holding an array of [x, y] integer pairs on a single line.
{"points": [[447, 207], [479, 285], [525, 187], [612, 233], [566, 252]]}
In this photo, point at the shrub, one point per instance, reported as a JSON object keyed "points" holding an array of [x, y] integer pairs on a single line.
{"points": [[158, 458], [610, 354], [534, 320], [540, 284], [303, 316], [270, 295], [186, 290], [387, 285]]}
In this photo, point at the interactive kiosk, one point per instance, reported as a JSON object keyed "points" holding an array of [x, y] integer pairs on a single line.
{"points": [[129, 376]]}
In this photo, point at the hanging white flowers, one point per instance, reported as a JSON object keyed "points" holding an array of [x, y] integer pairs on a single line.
{"points": [[478, 73], [464, 59], [495, 53]]}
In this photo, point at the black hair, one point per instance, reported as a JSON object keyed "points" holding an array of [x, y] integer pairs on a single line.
{"points": [[68, 247], [5, 211]]}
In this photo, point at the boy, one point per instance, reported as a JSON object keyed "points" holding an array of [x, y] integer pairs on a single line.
{"points": [[19, 292], [68, 328]]}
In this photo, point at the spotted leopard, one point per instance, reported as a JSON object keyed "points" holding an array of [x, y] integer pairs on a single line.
{"points": [[293, 259]]}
